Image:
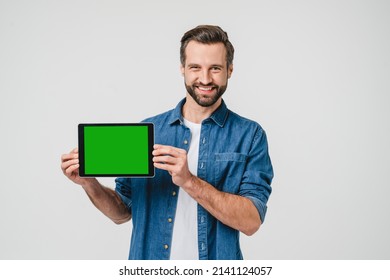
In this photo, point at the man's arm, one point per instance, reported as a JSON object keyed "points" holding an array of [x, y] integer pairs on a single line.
{"points": [[233, 210], [105, 199]]}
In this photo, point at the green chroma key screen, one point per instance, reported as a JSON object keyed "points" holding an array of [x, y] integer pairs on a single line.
{"points": [[112, 150]]}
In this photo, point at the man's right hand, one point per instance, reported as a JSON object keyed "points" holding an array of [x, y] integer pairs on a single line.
{"points": [[70, 167]]}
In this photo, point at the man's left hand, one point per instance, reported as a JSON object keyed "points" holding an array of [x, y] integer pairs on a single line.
{"points": [[173, 160]]}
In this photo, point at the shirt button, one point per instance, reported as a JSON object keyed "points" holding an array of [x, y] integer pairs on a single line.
{"points": [[185, 142], [165, 246], [173, 193], [202, 165], [169, 220]]}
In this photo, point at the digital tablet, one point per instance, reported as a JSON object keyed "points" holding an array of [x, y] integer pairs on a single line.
{"points": [[116, 150]]}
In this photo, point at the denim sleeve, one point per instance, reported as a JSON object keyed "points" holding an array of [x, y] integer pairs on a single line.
{"points": [[257, 177], [123, 188]]}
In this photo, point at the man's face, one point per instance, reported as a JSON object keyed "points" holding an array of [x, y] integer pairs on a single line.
{"points": [[205, 72]]}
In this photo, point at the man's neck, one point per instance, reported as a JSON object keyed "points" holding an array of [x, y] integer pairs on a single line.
{"points": [[195, 113]]}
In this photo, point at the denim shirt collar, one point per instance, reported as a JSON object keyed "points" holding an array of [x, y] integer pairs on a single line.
{"points": [[219, 116]]}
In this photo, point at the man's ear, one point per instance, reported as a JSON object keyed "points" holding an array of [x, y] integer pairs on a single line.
{"points": [[182, 69], [230, 70]]}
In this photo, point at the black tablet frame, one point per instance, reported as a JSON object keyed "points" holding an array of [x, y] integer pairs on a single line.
{"points": [[151, 169]]}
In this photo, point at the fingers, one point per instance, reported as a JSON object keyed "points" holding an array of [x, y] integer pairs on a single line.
{"points": [[168, 150], [70, 162], [67, 157], [72, 168], [173, 160], [171, 168], [169, 158], [165, 159], [72, 155], [66, 164], [162, 166], [168, 155]]}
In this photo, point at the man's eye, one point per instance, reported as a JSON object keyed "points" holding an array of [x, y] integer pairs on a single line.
{"points": [[216, 69]]}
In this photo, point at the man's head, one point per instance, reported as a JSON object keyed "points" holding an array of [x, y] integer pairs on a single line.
{"points": [[207, 34], [206, 56]]}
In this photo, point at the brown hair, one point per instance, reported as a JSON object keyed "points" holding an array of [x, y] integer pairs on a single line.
{"points": [[207, 34]]}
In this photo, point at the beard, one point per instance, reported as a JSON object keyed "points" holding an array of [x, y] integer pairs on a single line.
{"points": [[203, 99]]}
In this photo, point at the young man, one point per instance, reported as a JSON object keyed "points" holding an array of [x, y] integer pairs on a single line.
{"points": [[213, 171]]}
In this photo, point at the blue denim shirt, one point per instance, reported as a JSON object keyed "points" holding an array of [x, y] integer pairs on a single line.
{"points": [[233, 157]]}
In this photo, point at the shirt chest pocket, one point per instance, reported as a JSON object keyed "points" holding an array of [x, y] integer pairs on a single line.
{"points": [[229, 169]]}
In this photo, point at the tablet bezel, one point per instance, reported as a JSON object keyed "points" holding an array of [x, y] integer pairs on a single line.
{"points": [[81, 126]]}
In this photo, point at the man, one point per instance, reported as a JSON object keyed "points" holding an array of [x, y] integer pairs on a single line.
{"points": [[213, 172]]}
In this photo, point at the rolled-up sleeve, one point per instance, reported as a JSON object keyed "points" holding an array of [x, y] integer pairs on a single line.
{"points": [[258, 174], [123, 189]]}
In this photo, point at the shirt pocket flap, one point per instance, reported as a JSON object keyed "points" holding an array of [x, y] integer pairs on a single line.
{"points": [[231, 157]]}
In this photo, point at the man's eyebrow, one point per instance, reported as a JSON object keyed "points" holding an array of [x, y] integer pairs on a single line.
{"points": [[192, 64], [211, 66]]}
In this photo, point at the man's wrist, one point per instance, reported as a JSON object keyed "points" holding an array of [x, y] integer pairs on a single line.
{"points": [[189, 183], [90, 184], [193, 186]]}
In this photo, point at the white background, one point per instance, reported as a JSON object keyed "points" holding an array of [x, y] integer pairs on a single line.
{"points": [[314, 74]]}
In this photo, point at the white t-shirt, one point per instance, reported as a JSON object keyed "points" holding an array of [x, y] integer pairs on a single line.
{"points": [[185, 228]]}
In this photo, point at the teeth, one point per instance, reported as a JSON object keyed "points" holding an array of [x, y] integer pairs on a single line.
{"points": [[205, 88]]}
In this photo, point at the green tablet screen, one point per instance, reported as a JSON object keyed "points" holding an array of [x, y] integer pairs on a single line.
{"points": [[112, 150]]}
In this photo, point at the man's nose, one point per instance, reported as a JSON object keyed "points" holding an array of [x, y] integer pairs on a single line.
{"points": [[205, 77]]}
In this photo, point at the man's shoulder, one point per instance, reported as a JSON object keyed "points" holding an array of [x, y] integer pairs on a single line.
{"points": [[244, 122], [240, 126], [160, 118]]}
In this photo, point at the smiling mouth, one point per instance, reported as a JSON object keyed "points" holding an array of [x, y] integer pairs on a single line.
{"points": [[205, 89]]}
